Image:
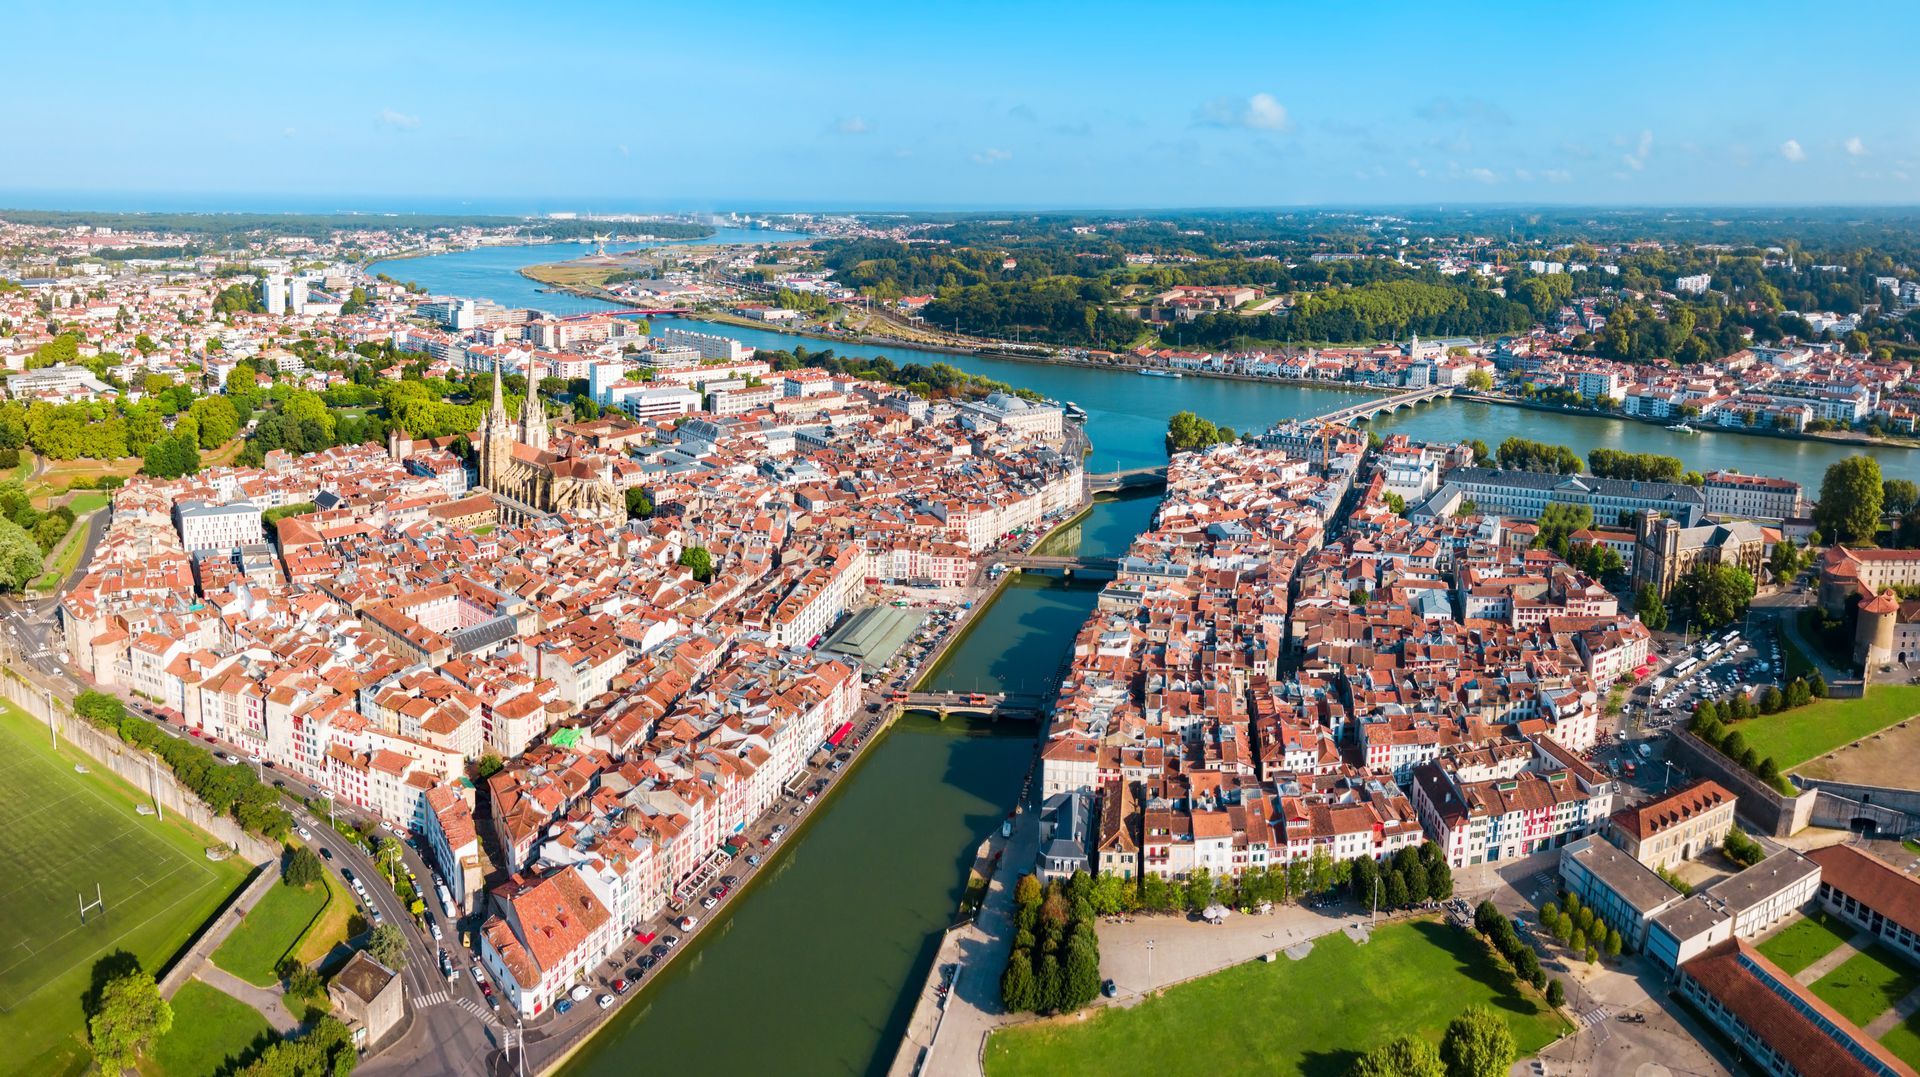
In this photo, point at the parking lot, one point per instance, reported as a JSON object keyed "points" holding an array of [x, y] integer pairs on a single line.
{"points": [[1714, 668]]}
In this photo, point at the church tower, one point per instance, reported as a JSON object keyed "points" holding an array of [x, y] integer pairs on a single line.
{"points": [[496, 437], [533, 416]]}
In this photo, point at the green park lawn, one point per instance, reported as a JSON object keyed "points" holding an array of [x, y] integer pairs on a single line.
{"points": [[212, 1033], [1867, 984], [269, 932], [1792, 737], [1805, 942], [1314, 1016], [66, 833]]}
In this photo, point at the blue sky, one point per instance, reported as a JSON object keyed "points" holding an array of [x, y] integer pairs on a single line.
{"points": [[586, 106]]}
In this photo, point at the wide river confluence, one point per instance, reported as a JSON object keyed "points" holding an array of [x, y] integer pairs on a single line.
{"points": [[811, 970]]}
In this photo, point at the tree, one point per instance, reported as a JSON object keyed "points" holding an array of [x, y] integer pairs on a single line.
{"points": [[129, 1017], [302, 980], [1478, 1044], [1019, 992], [639, 505], [1614, 942], [489, 765], [170, 458], [1439, 880], [1406, 1056], [1051, 983], [19, 556], [1187, 431], [219, 420], [1719, 594], [1479, 379], [1082, 973], [1556, 994], [1899, 496], [302, 868], [699, 560], [1652, 611], [1200, 890], [388, 946], [100, 707], [1851, 494], [1396, 894]]}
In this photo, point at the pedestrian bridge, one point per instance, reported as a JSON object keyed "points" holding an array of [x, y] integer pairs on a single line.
{"points": [[1370, 409]]}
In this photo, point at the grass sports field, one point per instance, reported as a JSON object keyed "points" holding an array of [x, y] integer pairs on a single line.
{"points": [[65, 832], [1284, 1018]]}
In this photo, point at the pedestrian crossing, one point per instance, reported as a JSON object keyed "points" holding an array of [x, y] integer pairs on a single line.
{"points": [[471, 1007], [431, 998], [1597, 1015]]}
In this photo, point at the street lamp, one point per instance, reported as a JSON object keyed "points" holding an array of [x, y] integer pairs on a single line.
{"points": [[1149, 966]]}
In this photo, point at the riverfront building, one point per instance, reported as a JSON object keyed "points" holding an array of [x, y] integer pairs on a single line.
{"points": [[1527, 494]]}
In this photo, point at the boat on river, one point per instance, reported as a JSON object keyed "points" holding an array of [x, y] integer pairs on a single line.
{"points": [[1159, 373], [1074, 411], [1682, 428]]}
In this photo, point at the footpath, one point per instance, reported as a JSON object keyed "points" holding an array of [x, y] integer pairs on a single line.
{"points": [[191, 962], [946, 1036]]}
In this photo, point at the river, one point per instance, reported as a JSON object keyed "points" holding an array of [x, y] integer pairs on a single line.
{"points": [[1127, 413], [811, 971]]}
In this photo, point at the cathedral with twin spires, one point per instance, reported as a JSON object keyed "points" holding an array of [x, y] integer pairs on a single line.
{"points": [[518, 463]]}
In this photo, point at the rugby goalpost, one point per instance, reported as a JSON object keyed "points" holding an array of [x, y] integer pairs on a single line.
{"points": [[99, 903]]}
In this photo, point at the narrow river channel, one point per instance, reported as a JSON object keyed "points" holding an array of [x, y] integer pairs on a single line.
{"points": [[816, 960]]}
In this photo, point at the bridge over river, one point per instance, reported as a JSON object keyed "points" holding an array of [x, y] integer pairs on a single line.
{"points": [[1141, 478], [992, 704]]}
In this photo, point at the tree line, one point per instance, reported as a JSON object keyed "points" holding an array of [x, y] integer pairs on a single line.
{"points": [[229, 789]]}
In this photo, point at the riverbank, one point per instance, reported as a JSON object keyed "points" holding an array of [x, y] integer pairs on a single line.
{"points": [[1827, 437]]}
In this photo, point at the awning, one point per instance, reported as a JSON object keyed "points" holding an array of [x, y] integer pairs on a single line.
{"points": [[840, 734]]}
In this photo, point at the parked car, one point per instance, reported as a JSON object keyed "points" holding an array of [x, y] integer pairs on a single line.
{"points": [[687, 923], [579, 992], [606, 1001], [563, 1005]]}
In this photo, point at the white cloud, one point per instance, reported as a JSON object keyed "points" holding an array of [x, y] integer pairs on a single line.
{"points": [[1264, 113], [1261, 112], [1855, 147], [396, 118], [1484, 175], [1790, 149], [1637, 159], [992, 156], [1557, 175], [853, 125]]}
